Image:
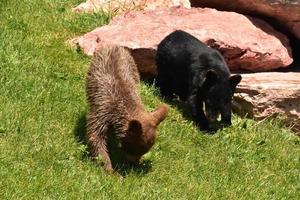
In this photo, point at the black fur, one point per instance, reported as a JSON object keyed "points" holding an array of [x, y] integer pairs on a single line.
{"points": [[197, 74]]}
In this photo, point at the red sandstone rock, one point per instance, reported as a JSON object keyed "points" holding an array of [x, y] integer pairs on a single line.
{"points": [[245, 42], [262, 95], [286, 12], [125, 5]]}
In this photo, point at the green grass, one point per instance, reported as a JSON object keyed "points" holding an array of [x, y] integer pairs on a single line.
{"points": [[42, 98]]}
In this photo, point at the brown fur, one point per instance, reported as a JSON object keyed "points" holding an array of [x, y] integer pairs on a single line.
{"points": [[112, 87]]}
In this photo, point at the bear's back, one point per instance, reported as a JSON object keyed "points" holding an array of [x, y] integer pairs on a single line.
{"points": [[181, 54], [113, 80]]}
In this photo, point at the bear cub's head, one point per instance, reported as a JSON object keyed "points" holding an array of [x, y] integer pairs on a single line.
{"points": [[141, 134], [218, 92]]}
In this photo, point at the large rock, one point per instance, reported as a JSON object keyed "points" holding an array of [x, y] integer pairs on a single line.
{"points": [[262, 95], [285, 12], [245, 42], [118, 6]]}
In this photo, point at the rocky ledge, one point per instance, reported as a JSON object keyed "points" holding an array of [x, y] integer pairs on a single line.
{"points": [[262, 95], [286, 13], [245, 42]]}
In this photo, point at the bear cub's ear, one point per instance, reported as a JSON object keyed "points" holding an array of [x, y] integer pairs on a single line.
{"points": [[211, 78], [160, 113], [234, 80], [135, 128]]}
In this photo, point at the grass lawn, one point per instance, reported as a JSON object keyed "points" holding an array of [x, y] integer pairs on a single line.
{"points": [[42, 118]]}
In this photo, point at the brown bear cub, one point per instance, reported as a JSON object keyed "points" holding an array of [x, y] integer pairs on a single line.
{"points": [[112, 87]]}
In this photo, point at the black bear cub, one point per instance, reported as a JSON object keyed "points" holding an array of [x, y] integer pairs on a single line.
{"points": [[199, 75]]}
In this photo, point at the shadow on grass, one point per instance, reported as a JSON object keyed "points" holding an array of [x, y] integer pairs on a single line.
{"points": [[118, 161], [80, 129], [183, 108]]}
